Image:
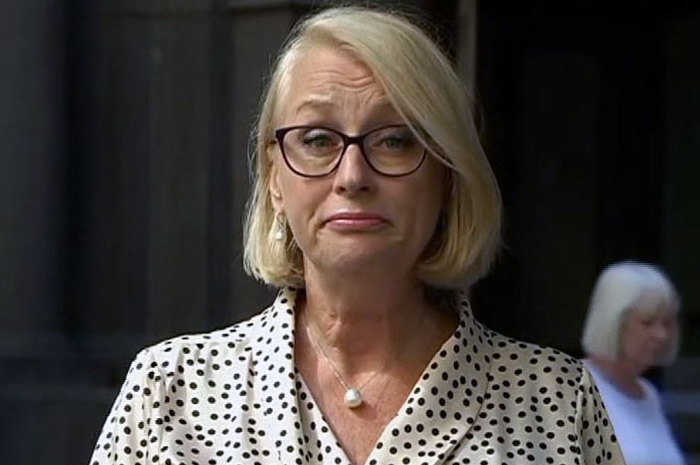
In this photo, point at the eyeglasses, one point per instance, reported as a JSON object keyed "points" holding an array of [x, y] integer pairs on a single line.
{"points": [[314, 151]]}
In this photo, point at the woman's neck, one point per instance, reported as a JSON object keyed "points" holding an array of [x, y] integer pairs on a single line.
{"points": [[622, 373], [371, 327]]}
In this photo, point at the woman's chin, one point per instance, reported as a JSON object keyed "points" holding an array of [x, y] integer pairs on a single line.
{"points": [[363, 260]]}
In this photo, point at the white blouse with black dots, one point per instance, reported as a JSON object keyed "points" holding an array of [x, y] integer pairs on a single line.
{"points": [[234, 396]]}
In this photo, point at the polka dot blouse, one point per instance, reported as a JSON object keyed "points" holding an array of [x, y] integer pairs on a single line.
{"points": [[234, 396]]}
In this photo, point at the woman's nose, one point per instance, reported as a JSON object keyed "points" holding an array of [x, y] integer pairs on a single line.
{"points": [[662, 331], [354, 173]]}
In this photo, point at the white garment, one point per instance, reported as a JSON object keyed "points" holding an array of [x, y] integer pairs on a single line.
{"points": [[235, 397], [640, 424]]}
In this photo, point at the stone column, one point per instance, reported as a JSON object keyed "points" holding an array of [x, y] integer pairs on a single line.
{"points": [[31, 176]]}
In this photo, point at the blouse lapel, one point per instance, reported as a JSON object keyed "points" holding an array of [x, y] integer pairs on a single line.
{"points": [[446, 401]]}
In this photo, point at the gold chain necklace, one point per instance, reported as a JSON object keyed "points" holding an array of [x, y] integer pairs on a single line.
{"points": [[353, 395]]}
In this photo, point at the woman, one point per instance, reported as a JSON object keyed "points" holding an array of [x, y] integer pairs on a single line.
{"points": [[632, 326], [373, 202]]}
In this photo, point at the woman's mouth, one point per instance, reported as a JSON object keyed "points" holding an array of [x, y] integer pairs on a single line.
{"points": [[355, 221]]}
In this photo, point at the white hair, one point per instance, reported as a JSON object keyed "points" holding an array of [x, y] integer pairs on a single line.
{"points": [[619, 287]]}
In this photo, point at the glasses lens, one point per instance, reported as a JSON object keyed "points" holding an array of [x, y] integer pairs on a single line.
{"points": [[312, 151], [394, 150]]}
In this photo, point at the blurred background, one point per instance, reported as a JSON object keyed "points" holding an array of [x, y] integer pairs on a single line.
{"points": [[123, 177]]}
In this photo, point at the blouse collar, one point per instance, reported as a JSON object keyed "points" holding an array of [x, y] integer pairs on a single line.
{"points": [[445, 401]]}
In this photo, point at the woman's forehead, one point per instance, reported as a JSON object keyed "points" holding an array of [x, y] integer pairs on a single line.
{"points": [[653, 304]]}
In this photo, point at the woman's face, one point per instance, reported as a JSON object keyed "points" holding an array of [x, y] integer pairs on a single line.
{"points": [[648, 331], [354, 219]]}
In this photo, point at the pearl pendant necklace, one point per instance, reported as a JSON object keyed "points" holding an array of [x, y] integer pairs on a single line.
{"points": [[353, 395], [353, 398]]}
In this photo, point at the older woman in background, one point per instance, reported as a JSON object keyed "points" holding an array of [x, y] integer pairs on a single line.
{"points": [[373, 204], [632, 326]]}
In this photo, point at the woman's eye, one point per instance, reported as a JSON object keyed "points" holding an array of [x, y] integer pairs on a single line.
{"points": [[317, 140], [396, 141]]}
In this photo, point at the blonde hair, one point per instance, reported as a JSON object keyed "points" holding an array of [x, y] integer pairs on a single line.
{"points": [[618, 288], [424, 89]]}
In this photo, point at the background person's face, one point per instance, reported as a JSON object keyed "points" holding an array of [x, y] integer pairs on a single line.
{"points": [[648, 331], [353, 220]]}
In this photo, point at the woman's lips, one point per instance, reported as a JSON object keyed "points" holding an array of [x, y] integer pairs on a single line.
{"points": [[355, 221]]}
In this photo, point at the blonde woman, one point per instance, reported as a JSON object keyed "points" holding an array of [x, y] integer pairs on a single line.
{"points": [[373, 204]]}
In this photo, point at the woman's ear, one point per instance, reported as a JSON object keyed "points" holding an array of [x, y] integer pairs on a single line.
{"points": [[275, 189]]}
